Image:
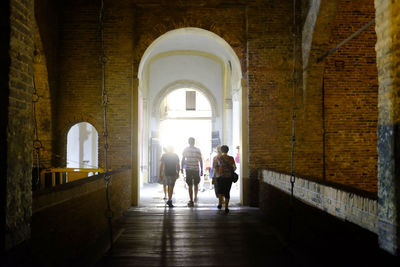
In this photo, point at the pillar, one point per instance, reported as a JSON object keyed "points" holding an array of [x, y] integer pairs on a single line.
{"points": [[135, 143], [388, 63], [16, 75]]}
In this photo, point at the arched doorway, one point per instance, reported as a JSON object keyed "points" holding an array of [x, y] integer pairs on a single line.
{"points": [[82, 146], [202, 61]]}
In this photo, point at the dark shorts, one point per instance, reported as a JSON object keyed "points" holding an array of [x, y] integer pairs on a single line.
{"points": [[224, 186], [169, 180], [192, 177]]}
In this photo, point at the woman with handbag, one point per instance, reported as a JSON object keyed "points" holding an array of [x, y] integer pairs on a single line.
{"points": [[224, 166]]}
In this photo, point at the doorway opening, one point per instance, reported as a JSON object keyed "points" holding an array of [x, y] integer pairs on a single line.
{"points": [[185, 113], [82, 146], [190, 85]]}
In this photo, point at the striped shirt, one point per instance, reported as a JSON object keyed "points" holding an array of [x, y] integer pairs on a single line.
{"points": [[191, 158]]}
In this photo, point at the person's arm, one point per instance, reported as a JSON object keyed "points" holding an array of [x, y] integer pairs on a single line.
{"points": [[233, 164], [201, 164], [215, 169], [182, 161], [177, 167], [161, 174]]}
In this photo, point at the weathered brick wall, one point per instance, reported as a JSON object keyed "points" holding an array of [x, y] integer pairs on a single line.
{"points": [[351, 100], [270, 57], [46, 73], [43, 104], [226, 21], [4, 94], [80, 79], [19, 128], [349, 206], [260, 34]]}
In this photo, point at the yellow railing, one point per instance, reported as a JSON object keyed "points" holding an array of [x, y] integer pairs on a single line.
{"points": [[66, 175]]}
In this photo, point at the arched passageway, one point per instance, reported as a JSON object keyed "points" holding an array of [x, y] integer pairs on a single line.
{"points": [[208, 71]]}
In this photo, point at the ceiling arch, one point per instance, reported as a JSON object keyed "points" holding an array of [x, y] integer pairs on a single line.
{"points": [[193, 39]]}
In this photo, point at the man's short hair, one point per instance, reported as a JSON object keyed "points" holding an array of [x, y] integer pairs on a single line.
{"points": [[191, 140], [224, 149]]}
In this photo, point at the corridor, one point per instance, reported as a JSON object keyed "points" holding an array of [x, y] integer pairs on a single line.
{"points": [[304, 93]]}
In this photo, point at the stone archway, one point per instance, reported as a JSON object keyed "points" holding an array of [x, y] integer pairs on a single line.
{"points": [[206, 49]]}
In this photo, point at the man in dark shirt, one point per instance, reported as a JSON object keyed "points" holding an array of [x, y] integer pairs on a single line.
{"points": [[169, 171]]}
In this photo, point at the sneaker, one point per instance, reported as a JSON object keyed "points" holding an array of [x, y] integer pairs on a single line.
{"points": [[195, 200], [190, 204], [219, 207], [226, 210], [169, 203]]}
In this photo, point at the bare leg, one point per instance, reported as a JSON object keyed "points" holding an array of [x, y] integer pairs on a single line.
{"points": [[170, 192], [226, 203], [191, 192], [165, 190], [196, 189], [220, 199]]}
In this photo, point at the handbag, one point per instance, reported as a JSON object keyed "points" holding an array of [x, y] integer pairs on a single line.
{"points": [[235, 176]]}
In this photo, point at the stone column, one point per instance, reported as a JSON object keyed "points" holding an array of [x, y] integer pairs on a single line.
{"points": [[227, 136], [249, 187], [135, 143], [16, 121], [388, 63]]}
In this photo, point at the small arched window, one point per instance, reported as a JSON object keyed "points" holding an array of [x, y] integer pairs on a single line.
{"points": [[82, 146]]}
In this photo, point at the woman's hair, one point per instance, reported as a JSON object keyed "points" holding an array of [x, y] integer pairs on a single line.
{"points": [[224, 149]]}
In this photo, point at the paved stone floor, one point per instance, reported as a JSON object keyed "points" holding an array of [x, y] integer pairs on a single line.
{"points": [[151, 195]]}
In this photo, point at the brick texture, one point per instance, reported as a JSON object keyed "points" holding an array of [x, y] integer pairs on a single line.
{"points": [[261, 35], [80, 85], [43, 105], [19, 127], [351, 100], [345, 205]]}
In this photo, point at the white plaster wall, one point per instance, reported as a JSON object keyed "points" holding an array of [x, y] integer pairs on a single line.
{"points": [[166, 70]]}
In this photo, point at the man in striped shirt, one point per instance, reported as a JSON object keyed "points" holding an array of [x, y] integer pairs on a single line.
{"points": [[193, 164]]}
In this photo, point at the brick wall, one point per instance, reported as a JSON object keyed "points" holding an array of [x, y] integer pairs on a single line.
{"points": [[4, 93], [261, 35], [19, 127], [46, 73], [43, 104], [226, 21], [351, 100], [349, 206], [70, 219], [269, 48], [80, 79], [266, 59], [270, 57]]}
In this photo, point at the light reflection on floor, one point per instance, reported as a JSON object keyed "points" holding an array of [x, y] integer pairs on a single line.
{"points": [[151, 195]]}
